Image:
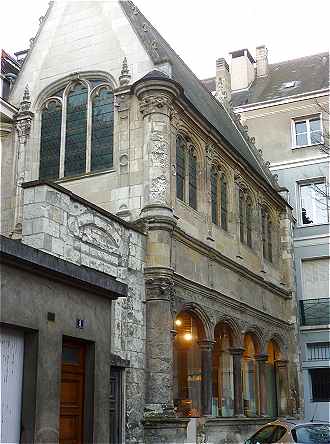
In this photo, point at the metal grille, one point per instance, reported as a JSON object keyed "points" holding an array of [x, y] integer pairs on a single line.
{"points": [[102, 131], [50, 141], [318, 351]]}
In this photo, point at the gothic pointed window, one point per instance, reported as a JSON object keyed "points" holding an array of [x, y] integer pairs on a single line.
{"points": [[241, 216], [50, 144], [180, 167], [76, 131], [102, 130], [224, 203], [67, 147], [186, 171], [249, 223], [266, 232], [192, 179], [214, 196]]}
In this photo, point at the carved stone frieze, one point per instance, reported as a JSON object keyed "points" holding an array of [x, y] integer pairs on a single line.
{"points": [[155, 104], [158, 189], [159, 150]]}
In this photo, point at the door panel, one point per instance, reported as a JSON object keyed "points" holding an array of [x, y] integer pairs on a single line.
{"points": [[115, 406], [72, 393]]}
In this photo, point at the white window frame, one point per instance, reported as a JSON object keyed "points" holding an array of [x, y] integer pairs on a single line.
{"points": [[307, 120], [316, 180]]}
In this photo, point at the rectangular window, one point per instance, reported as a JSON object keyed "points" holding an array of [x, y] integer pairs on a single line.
{"points": [[180, 170], [318, 351], [320, 379], [314, 202], [192, 180], [214, 198], [307, 131]]}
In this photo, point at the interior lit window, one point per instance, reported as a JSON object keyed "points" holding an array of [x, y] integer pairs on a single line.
{"points": [[273, 354], [250, 391], [222, 375], [188, 365]]}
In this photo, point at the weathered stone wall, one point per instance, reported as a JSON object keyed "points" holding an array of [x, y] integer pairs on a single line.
{"points": [[60, 224]]}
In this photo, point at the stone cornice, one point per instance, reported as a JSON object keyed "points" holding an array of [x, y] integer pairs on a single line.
{"points": [[212, 253]]}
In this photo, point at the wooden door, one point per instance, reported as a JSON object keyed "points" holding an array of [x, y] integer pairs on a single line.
{"points": [[72, 393], [115, 405]]}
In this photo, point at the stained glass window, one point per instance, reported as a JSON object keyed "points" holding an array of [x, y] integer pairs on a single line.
{"points": [[192, 180], [180, 167], [102, 130], [249, 223], [224, 203], [76, 131], [214, 196], [50, 140], [241, 216]]}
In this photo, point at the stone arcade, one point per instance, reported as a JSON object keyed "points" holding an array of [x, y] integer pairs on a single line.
{"points": [[111, 121]]}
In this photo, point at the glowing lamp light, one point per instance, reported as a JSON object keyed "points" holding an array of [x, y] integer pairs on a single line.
{"points": [[178, 322], [188, 336]]}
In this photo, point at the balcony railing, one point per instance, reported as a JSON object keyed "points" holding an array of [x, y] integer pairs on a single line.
{"points": [[315, 311]]}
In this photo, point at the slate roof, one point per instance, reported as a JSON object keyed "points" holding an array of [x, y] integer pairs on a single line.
{"points": [[306, 74], [194, 91]]}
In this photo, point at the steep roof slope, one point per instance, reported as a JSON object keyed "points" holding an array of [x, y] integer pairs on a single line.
{"points": [[284, 79], [196, 93]]}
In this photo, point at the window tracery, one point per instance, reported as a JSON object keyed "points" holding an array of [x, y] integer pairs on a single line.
{"points": [[245, 218], [219, 198], [186, 171], [77, 130]]}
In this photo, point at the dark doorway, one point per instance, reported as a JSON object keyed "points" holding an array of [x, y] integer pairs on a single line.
{"points": [[72, 392], [116, 405]]}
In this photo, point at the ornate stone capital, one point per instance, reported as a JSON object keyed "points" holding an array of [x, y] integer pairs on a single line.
{"points": [[23, 126]]}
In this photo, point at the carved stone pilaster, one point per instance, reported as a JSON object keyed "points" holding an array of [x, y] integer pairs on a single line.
{"points": [[160, 332], [156, 106], [23, 122]]}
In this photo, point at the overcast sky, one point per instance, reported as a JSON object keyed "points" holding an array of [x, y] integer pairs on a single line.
{"points": [[202, 31]]}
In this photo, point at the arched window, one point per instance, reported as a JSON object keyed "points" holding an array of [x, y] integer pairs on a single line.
{"points": [[188, 365], [266, 232], [249, 222], [250, 391], [50, 145], [214, 196], [219, 198], [222, 375], [224, 202], [273, 354], [241, 216], [77, 130], [186, 171], [245, 218]]}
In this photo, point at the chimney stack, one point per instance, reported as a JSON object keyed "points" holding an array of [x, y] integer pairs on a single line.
{"points": [[222, 78], [242, 69], [262, 61]]}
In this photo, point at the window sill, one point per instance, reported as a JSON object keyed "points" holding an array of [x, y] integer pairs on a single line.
{"points": [[83, 176], [186, 206], [312, 225], [306, 146]]}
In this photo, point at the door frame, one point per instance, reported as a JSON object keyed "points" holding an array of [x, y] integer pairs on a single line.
{"points": [[89, 386]]}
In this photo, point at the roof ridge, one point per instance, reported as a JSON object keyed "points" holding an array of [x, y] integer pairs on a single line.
{"points": [[320, 54]]}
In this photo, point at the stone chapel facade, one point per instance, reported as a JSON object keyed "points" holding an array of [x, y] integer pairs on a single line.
{"points": [[107, 112]]}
